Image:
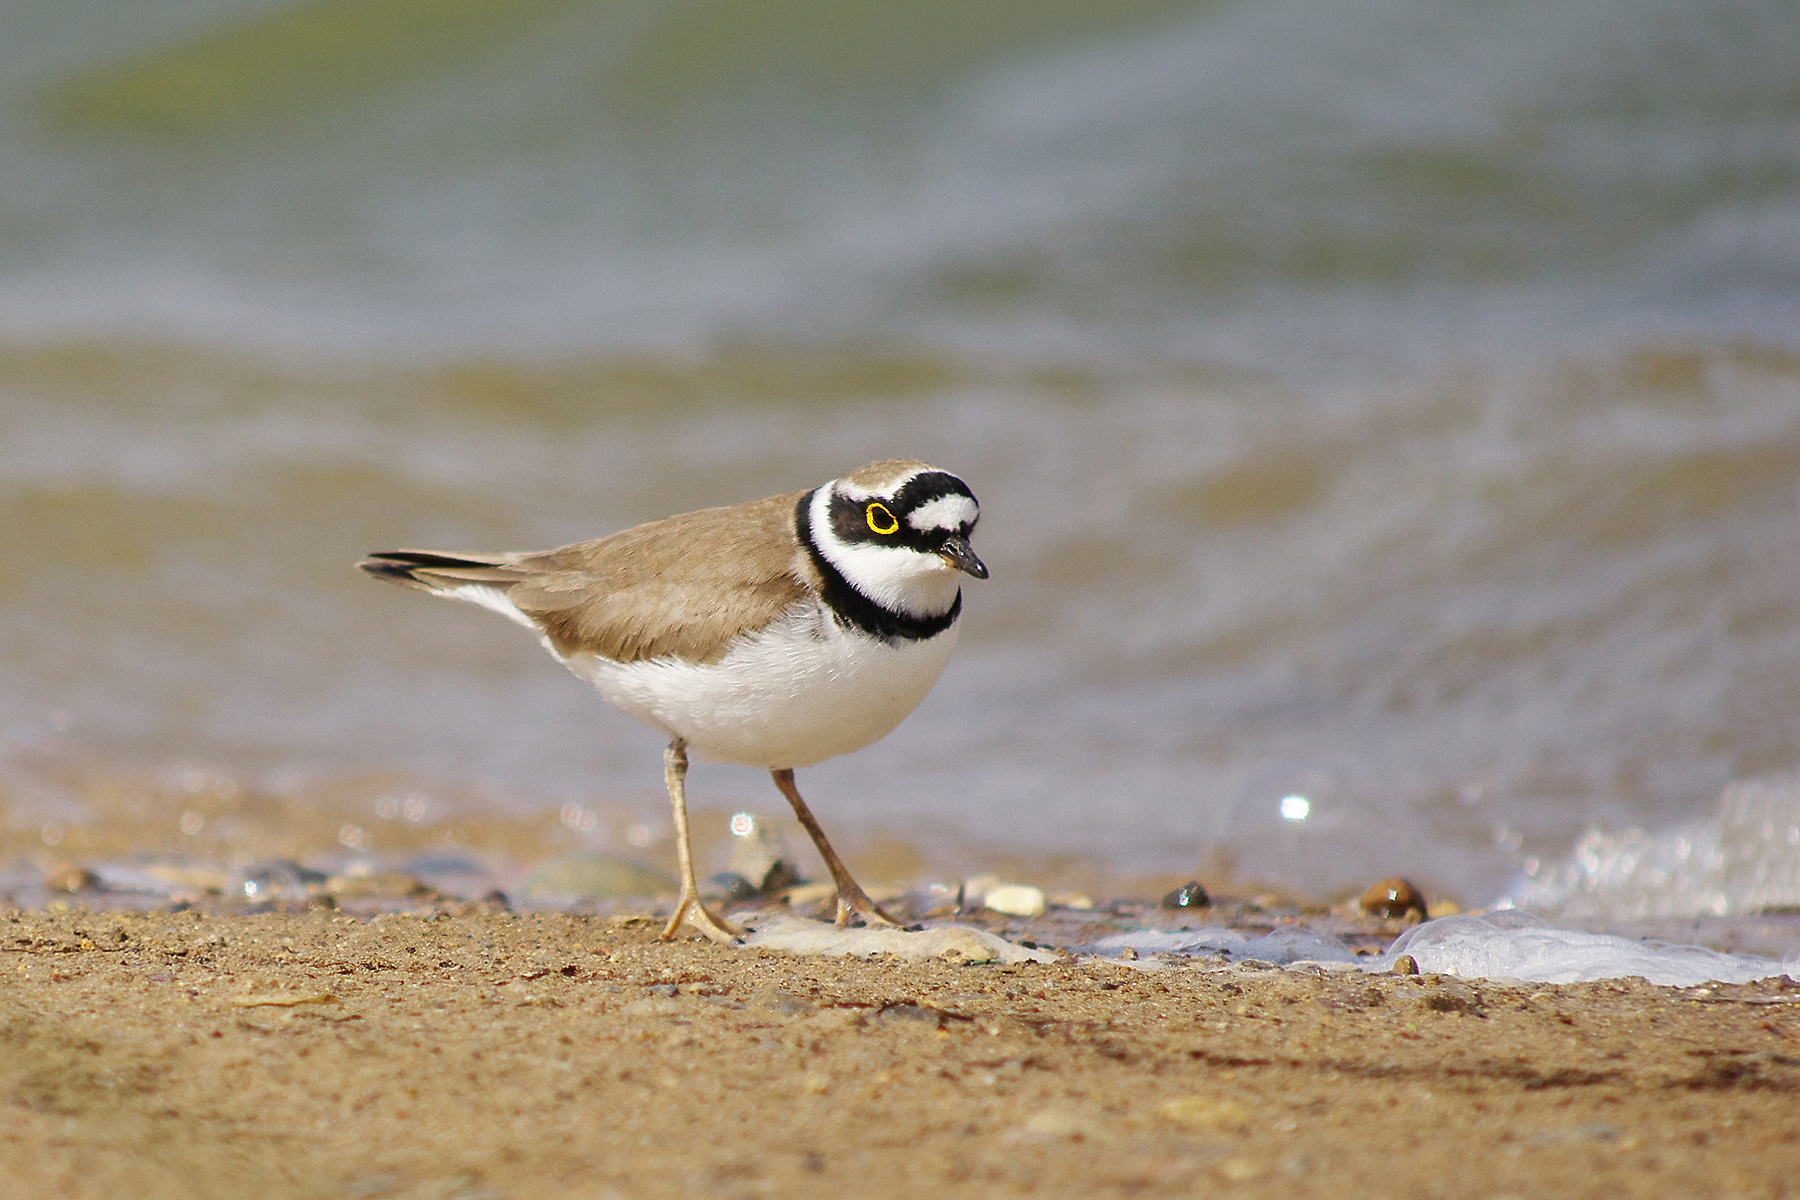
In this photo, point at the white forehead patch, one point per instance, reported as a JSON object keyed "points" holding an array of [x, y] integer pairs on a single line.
{"points": [[886, 487], [946, 512]]}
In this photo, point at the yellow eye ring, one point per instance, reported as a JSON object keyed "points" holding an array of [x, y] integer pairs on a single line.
{"points": [[881, 520]]}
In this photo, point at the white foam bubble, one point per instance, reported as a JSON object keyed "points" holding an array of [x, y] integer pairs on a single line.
{"points": [[1517, 945], [1507, 944]]}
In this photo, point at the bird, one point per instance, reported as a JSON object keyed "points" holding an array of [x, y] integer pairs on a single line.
{"points": [[776, 633]]}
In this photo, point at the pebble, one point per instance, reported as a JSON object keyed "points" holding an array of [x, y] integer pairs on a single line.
{"points": [[1188, 895], [1016, 900], [1394, 897], [70, 877]]}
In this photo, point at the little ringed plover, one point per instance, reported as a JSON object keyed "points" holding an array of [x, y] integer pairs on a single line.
{"points": [[776, 633]]}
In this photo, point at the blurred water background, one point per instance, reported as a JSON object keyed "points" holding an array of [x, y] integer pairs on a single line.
{"points": [[1386, 415]]}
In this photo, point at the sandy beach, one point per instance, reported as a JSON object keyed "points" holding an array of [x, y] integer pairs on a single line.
{"points": [[468, 1053]]}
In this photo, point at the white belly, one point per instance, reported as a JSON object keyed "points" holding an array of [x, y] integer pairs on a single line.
{"points": [[802, 691]]}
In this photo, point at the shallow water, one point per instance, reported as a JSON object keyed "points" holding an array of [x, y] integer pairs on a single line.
{"points": [[1392, 405]]}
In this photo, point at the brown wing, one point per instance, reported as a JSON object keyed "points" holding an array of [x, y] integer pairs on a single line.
{"points": [[684, 586]]}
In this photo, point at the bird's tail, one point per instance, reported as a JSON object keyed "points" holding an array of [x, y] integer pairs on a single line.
{"points": [[483, 579], [432, 571]]}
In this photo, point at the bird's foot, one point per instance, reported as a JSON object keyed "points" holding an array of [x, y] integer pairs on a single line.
{"points": [[717, 928], [857, 905]]}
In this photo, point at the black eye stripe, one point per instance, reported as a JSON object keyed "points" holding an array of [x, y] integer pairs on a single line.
{"points": [[851, 523]]}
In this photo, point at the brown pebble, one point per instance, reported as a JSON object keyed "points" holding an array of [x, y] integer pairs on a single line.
{"points": [[1393, 898], [70, 877], [1406, 964]]}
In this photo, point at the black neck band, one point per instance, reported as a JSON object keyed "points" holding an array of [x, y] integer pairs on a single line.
{"points": [[857, 610]]}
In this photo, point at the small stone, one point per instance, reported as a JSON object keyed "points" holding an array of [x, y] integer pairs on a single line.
{"points": [[1188, 895], [1208, 1112], [70, 877], [1392, 898], [1406, 964], [1016, 900]]}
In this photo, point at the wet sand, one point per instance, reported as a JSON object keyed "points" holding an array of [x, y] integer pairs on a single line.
{"points": [[481, 1054]]}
